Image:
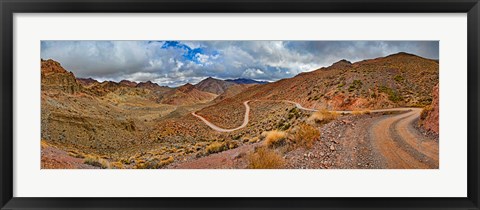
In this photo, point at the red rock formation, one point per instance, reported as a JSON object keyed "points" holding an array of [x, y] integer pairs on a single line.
{"points": [[87, 82], [431, 122], [128, 83], [56, 78]]}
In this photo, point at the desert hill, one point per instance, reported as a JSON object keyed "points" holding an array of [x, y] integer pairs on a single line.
{"points": [[396, 80], [128, 83], [215, 86], [152, 86], [86, 82], [187, 94], [233, 91]]}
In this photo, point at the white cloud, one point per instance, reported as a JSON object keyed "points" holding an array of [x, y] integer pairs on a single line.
{"points": [[191, 61]]}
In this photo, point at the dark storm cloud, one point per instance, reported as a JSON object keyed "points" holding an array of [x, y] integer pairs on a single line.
{"points": [[175, 63]]}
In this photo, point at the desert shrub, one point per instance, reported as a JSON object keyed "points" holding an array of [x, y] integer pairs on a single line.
{"points": [[75, 154], [295, 112], [306, 135], [264, 158], [165, 161], [231, 144], [117, 165], [356, 84], [215, 147], [140, 164], [323, 116], [154, 163], [254, 140], [393, 95], [275, 138], [398, 78], [283, 125], [96, 161]]}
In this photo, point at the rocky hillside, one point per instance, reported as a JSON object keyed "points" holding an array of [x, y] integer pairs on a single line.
{"points": [[55, 78], [128, 83], [430, 115], [150, 85], [87, 82], [233, 91], [186, 95], [398, 80], [213, 85], [393, 81]]}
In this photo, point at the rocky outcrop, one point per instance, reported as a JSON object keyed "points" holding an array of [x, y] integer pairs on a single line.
{"points": [[87, 82], [148, 85], [431, 114], [128, 83], [56, 78]]}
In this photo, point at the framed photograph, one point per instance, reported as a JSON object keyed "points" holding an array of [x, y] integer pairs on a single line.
{"points": [[239, 105]]}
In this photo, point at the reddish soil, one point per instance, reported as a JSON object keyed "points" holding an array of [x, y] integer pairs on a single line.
{"points": [[54, 158]]}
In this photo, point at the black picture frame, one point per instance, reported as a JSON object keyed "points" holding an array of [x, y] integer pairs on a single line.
{"points": [[10, 7]]}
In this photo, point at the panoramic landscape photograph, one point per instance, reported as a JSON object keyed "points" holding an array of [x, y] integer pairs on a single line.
{"points": [[187, 104]]}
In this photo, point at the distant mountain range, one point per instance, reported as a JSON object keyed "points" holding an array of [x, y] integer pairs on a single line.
{"points": [[400, 79], [246, 81]]}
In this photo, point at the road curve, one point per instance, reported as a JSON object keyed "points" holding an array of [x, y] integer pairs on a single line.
{"points": [[401, 145], [216, 128], [299, 106]]}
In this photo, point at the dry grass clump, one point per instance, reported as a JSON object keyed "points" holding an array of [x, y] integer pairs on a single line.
{"points": [[215, 147], [275, 138], [264, 158], [75, 154], [96, 161], [154, 163], [306, 135], [254, 140], [117, 165], [231, 144], [323, 116]]}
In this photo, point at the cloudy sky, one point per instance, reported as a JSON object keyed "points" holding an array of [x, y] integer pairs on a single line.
{"points": [[175, 63]]}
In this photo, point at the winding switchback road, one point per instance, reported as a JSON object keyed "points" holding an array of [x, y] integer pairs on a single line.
{"points": [[299, 106], [393, 140], [216, 128]]}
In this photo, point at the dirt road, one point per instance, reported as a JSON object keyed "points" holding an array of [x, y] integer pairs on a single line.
{"points": [[401, 145], [368, 141], [216, 128], [299, 106]]}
